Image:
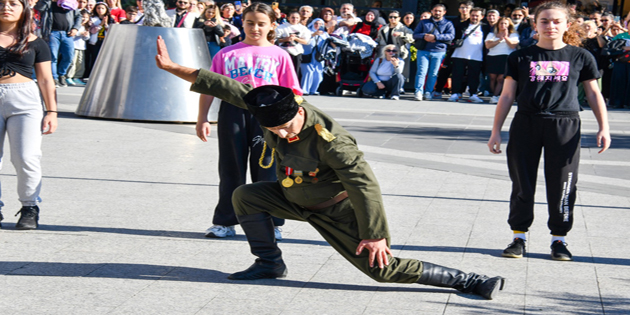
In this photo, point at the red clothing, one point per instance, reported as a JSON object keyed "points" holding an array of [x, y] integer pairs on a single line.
{"points": [[118, 14], [365, 29]]}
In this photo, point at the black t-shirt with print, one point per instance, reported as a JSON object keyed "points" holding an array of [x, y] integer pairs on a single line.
{"points": [[548, 79]]}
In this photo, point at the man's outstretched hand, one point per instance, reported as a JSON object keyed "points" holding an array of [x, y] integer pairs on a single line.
{"points": [[162, 58], [164, 62]]}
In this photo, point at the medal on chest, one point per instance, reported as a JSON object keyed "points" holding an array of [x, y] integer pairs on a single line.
{"points": [[288, 182], [298, 177]]}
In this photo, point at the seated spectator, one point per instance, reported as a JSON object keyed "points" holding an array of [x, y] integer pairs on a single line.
{"points": [[212, 27], [291, 36], [116, 11], [620, 91], [500, 43], [396, 33], [77, 67], [131, 13], [180, 15], [312, 69], [385, 75], [368, 26]]}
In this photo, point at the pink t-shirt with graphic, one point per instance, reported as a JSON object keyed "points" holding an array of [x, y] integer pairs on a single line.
{"points": [[256, 65]]}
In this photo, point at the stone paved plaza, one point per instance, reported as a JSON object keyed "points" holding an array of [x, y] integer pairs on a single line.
{"points": [[125, 205]]}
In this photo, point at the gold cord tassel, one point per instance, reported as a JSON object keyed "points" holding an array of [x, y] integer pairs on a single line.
{"points": [[262, 156]]}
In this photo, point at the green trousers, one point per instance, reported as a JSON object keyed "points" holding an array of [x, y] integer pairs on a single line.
{"points": [[337, 224]]}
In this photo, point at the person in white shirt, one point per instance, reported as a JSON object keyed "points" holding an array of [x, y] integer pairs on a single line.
{"points": [[500, 43], [468, 57], [291, 36], [386, 74]]}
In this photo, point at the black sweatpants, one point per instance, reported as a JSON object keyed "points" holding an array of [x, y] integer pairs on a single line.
{"points": [[240, 143], [559, 135], [459, 72]]}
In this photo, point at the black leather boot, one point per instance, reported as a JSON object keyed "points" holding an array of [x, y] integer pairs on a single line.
{"points": [[260, 234], [29, 218], [465, 282]]}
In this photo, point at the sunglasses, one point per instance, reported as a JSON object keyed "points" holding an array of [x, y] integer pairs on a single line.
{"points": [[394, 17], [182, 2], [604, 20], [391, 50]]}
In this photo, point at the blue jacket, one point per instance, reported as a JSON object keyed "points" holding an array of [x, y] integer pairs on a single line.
{"points": [[444, 36]]}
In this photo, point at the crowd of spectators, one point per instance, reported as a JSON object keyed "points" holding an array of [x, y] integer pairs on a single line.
{"points": [[463, 57]]}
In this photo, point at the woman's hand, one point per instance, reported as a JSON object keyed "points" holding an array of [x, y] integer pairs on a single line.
{"points": [[49, 124], [210, 23], [494, 144], [394, 61], [203, 130], [380, 85]]}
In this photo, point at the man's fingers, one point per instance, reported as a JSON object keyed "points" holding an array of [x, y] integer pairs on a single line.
{"points": [[372, 256], [360, 248]]}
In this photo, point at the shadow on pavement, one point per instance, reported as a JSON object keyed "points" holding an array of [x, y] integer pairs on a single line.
{"points": [[171, 273]]}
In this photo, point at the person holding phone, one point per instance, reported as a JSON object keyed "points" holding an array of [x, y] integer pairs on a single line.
{"points": [[396, 33], [385, 75]]}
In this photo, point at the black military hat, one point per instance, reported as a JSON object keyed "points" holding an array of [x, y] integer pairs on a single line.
{"points": [[272, 105]]}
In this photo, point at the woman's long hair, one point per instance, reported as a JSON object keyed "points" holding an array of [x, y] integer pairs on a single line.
{"points": [[574, 34], [511, 28], [264, 9], [24, 30], [215, 10]]}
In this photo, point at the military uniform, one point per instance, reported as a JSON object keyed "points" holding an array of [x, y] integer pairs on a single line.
{"points": [[324, 180]]}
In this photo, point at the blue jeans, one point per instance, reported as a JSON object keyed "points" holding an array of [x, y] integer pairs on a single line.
{"points": [[428, 62], [61, 44]]}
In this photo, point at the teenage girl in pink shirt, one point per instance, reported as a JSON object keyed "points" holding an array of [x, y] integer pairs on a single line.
{"points": [[255, 61]]}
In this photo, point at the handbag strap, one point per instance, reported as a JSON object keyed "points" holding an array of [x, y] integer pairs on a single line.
{"points": [[471, 31]]}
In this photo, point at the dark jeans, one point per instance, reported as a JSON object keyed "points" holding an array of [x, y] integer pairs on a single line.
{"points": [[91, 53], [559, 135], [459, 71], [240, 144], [392, 87]]}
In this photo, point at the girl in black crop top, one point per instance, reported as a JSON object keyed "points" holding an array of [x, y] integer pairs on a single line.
{"points": [[21, 113], [546, 77]]}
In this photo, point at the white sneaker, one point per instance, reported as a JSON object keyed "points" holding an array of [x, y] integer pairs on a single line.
{"points": [[427, 96], [475, 99], [486, 93], [466, 93], [494, 100], [220, 231], [418, 97], [277, 231], [454, 98], [395, 98]]}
